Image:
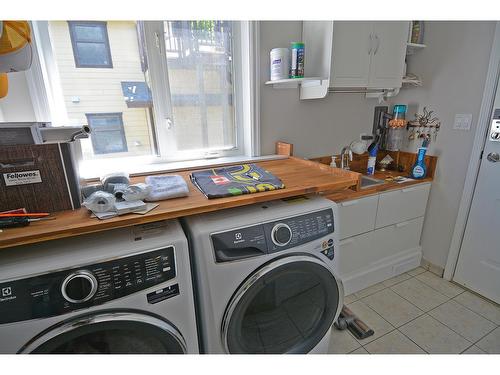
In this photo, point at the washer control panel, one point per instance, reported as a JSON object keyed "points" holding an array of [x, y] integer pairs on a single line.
{"points": [[60, 292], [272, 236]]}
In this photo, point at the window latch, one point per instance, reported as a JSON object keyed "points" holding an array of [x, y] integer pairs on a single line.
{"points": [[170, 123], [157, 42]]}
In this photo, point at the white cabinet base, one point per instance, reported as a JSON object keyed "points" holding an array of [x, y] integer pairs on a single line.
{"points": [[382, 270]]}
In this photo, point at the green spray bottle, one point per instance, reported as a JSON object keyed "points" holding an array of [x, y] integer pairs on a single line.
{"points": [[419, 170]]}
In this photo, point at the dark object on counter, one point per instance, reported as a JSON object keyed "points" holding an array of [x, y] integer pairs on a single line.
{"points": [[347, 320], [15, 222], [40, 178], [380, 126], [235, 180]]}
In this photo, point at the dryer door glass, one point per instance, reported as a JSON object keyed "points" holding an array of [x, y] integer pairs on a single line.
{"points": [[287, 306], [110, 333]]}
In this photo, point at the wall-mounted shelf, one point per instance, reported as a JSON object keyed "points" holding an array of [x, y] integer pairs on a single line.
{"points": [[292, 83], [411, 48]]}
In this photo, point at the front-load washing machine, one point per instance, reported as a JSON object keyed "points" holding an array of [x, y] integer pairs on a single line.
{"points": [[265, 276], [126, 290]]}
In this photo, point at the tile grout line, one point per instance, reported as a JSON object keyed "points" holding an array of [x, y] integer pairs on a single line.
{"points": [[481, 315]]}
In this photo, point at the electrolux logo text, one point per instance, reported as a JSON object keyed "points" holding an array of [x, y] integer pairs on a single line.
{"points": [[7, 294]]}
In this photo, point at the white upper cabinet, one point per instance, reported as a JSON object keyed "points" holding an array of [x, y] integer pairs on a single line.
{"points": [[388, 54], [351, 52], [366, 55]]}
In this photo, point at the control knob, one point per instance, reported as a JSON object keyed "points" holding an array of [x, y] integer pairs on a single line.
{"points": [[79, 286], [281, 234]]}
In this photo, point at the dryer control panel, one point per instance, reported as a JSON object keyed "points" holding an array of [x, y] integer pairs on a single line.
{"points": [[271, 237], [60, 292]]}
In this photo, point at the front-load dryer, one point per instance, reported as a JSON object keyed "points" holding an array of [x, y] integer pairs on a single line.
{"points": [[126, 290], [265, 276]]}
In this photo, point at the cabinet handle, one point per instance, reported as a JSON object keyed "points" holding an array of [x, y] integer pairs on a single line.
{"points": [[370, 44], [346, 242], [350, 203], [378, 44], [407, 190], [402, 224]]}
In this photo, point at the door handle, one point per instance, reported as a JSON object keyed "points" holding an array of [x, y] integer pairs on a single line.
{"points": [[493, 157], [370, 43]]}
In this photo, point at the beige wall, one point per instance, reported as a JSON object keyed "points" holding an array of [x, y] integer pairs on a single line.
{"points": [[453, 68], [315, 127], [99, 89]]}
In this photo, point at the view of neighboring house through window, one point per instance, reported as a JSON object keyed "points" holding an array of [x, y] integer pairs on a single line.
{"points": [[105, 91], [105, 70], [90, 44]]}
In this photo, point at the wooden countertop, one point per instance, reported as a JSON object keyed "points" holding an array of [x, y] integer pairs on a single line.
{"points": [[349, 194], [299, 176]]}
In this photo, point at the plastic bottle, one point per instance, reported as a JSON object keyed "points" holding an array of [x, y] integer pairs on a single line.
{"points": [[372, 158], [419, 170]]}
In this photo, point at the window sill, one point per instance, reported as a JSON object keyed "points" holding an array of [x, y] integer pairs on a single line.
{"points": [[91, 170]]}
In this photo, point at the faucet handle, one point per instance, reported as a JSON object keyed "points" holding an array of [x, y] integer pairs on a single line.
{"points": [[350, 155]]}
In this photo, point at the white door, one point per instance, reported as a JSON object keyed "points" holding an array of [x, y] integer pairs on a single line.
{"points": [[388, 55], [478, 266], [351, 53]]}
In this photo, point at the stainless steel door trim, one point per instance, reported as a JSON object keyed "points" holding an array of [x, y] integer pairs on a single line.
{"points": [[96, 318], [86, 275], [259, 273]]}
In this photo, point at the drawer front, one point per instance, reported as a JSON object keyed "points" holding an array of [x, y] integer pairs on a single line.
{"points": [[357, 216], [402, 205], [354, 253], [398, 237]]}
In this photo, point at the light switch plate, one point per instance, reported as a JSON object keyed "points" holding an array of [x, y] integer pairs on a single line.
{"points": [[462, 121]]}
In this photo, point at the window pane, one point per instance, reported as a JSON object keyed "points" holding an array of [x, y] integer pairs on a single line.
{"points": [[199, 58], [89, 33], [107, 133], [94, 91], [92, 53]]}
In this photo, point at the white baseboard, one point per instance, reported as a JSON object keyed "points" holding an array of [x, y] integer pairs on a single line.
{"points": [[381, 270]]}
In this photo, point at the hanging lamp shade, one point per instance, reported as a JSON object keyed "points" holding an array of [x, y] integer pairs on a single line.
{"points": [[15, 46]]}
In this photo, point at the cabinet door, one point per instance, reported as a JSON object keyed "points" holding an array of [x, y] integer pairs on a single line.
{"points": [[351, 53], [400, 205], [357, 216], [388, 55]]}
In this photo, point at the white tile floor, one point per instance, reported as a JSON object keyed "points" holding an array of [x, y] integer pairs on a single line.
{"points": [[419, 312]]}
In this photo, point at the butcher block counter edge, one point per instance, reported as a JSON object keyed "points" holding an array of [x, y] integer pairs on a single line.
{"points": [[299, 176]]}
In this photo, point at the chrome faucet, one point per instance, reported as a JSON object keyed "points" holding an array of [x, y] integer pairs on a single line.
{"points": [[345, 157]]}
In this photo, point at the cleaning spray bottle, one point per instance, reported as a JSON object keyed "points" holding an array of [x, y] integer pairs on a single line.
{"points": [[372, 156], [419, 170]]}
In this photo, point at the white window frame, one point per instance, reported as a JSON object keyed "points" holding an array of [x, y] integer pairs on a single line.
{"points": [[48, 102]]}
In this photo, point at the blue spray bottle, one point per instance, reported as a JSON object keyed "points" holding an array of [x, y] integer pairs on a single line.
{"points": [[419, 170]]}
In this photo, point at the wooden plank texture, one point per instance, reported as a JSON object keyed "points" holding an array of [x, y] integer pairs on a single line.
{"points": [[299, 176]]}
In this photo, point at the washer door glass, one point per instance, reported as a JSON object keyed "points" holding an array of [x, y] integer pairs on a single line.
{"points": [[110, 333], [287, 306]]}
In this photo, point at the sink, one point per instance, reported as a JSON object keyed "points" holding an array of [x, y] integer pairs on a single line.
{"points": [[367, 182]]}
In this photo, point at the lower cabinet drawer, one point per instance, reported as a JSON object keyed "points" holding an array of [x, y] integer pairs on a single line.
{"points": [[397, 237], [358, 252], [354, 253], [357, 216], [400, 205]]}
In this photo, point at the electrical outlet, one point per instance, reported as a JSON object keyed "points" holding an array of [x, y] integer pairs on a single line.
{"points": [[462, 121]]}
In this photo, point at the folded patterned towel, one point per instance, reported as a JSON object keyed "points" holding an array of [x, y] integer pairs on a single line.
{"points": [[166, 187], [235, 180]]}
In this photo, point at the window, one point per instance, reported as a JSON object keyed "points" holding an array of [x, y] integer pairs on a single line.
{"points": [[178, 90], [90, 44], [109, 135]]}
